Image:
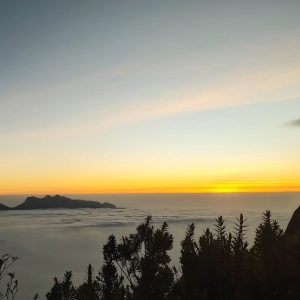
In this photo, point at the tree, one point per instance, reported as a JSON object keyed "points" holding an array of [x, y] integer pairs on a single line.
{"points": [[240, 259], [90, 289], [206, 266], [111, 282], [217, 266], [267, 255], [6, 261], [189, 264], [62, 290], [142, 259]]}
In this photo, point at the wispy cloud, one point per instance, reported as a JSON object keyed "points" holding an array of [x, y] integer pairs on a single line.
{"points": [[271, 84], [294, 123]]}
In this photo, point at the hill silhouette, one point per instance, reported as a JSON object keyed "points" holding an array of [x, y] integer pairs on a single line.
{"points": [[4, 207], [56, 202], [293, 227]]}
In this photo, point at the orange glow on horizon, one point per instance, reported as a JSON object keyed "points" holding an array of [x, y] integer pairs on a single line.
{"points": [[162, 188], [143, 179]]}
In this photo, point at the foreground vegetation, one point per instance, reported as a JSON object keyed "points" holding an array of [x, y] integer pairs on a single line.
{"points": [[218, 265]]}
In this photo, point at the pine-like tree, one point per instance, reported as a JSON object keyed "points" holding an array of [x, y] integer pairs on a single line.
{"points": [[267, 253], [90, 289], [189, 264], [63, 290], [240, 259], [111, 282], [143, 260]]}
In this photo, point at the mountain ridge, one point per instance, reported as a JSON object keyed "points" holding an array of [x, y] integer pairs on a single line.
{"points": [[4, 207], [293, 227], [56, 201]]}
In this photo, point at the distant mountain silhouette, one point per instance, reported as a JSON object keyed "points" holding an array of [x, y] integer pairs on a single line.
{"points": [[293, 227], [57, 202], [4, 207]]}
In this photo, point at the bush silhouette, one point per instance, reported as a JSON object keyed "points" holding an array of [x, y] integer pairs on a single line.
{"points": [[217, 265]]}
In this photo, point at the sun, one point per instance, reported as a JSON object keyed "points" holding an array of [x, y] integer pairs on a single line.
{"points": [[226, 188]]}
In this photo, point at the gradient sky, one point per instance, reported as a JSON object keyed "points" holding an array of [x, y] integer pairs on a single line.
{"points": [[149, 96]]}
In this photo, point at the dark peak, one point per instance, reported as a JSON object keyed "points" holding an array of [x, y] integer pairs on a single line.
{"points": [[4, 207], [30, 198], [56, 197], [58, 201], [293, 227], [47, 197]]}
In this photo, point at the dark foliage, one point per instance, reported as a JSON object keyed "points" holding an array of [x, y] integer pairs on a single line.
{"points": [[63, 290], [89, 290], [11, 289], [111, 282], [217, 265]]}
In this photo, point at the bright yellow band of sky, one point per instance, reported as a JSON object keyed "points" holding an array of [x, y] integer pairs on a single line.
{"points": [[146, 177], [141, 184]]}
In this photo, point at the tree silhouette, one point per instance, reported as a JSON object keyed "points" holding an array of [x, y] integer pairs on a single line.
{"points": [[267, 252], [111, 282], [143, 260], [190, 263], [240, 259], [90, 289], [63, 290], [219, 265], [6, 261]]}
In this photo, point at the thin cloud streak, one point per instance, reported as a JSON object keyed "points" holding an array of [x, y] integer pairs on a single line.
{"points": [[268, 86], [294, 123]]}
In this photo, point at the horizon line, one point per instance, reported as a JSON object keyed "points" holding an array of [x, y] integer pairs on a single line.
{"points": [[159, 193]]}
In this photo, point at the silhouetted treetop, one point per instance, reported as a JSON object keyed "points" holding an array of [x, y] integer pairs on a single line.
{"points": [[216, 265]]}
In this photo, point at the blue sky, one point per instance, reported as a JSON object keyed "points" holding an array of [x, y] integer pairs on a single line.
{"points": [[112, 89]]}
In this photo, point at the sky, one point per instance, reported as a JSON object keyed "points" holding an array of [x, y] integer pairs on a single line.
{"points": [[149, 96]]}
